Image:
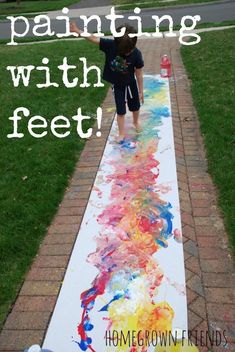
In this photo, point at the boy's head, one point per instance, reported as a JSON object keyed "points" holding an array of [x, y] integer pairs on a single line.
{"points": [[125, 44]]}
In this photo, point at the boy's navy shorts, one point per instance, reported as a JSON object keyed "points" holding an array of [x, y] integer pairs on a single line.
{"points": [[126, 94]]}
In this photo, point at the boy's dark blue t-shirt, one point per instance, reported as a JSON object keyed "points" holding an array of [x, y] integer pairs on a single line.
{"points": [[119, 70]]}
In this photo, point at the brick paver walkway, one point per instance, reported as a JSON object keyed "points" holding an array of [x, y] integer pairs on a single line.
{"points": [[210, 272]]}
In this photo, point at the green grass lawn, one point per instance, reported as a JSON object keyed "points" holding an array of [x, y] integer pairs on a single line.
{"points": [[34, 6], [26, 15], [210, 66], [28, 205], [127, 5]]}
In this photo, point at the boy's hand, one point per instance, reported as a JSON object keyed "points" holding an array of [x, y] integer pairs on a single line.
{"points": [[74, 28], [141, 97]]}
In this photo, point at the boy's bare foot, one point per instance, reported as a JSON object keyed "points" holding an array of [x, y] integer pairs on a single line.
{"points": [[120, 138], [138, 127]]}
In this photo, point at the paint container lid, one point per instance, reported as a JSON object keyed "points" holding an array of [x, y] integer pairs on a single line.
{"points": [[34, 348], [179, 334]]}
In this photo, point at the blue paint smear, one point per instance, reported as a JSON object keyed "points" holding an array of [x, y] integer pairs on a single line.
{"points": [[128, 145], [153, 84], [110, 269], [161, 111], [161, 243], [115, 298], [88, 326], [84, 343], [166, 215], [105, 253], [153, 133]]}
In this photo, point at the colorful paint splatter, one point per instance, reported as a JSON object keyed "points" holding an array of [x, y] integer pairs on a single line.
{"points": [[135, 222]]}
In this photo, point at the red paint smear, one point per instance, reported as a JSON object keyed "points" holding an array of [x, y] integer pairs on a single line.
{"points": [[146, 225], [99, 286]]}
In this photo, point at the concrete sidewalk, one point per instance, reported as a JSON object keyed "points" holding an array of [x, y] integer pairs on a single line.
{"points": [[210, 271], [86, 8], [75, 13], [90, 3]]}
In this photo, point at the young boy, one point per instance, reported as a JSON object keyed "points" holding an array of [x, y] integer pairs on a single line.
{"points": [[123, 66]]}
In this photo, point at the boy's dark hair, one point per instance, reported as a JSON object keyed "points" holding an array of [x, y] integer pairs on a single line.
{"points": [[125, 44]]}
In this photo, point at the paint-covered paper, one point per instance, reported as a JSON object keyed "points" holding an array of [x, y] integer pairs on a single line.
{"points": [[126, 274]]}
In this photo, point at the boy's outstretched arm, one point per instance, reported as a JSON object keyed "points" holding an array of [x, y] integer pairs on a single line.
{"points": [[74, 29], [139, 77]]}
